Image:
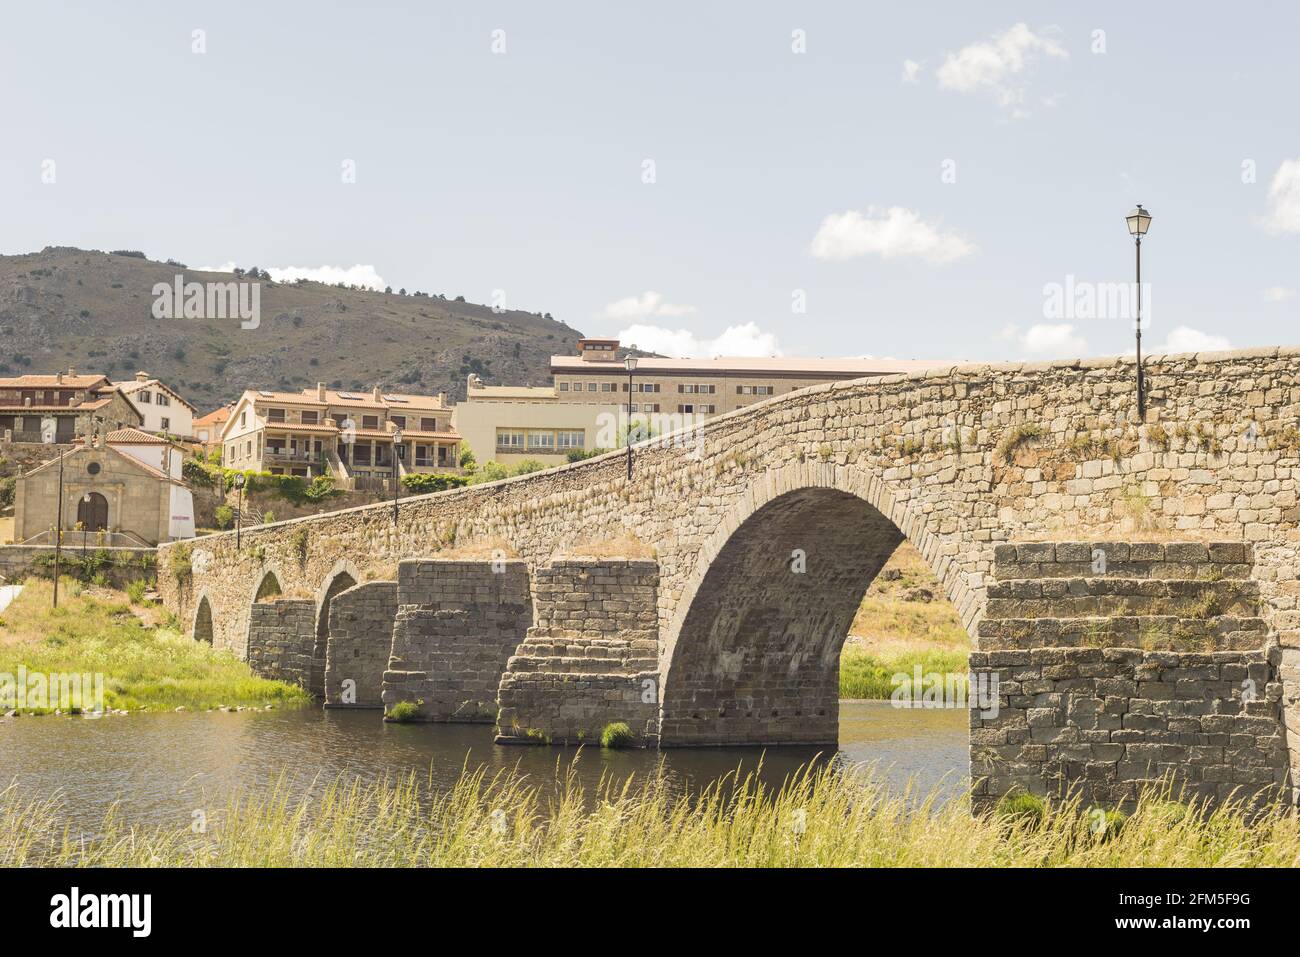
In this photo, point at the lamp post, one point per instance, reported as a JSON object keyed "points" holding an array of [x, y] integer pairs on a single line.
{"points": [[239, 509], [630, 363], [58, 535], [1139, 221], [397, 444]]}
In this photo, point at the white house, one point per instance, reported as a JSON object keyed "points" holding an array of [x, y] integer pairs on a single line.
{"points": [[163, 408]]}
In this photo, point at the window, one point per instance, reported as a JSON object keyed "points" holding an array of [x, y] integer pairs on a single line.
{"points": [[510, 439], [607, 387], [564, 387], [398, 420], [163, 399], [421, 455], [311, 417], [370, 421], [93, 469], [166, 424], [541, 441], [650, 407], [428, 425], [763, 390], [275, 415], [571, 439], [591, 387], [243, 418], [145, 398]]}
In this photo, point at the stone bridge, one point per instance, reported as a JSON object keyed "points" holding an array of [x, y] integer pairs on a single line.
{"points": [[1132, 586]]}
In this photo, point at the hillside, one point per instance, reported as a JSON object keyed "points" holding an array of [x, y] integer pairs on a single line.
{"points": [[92, 311]]}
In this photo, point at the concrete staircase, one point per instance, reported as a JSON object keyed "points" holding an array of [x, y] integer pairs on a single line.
{"points": [[1157, 596]]}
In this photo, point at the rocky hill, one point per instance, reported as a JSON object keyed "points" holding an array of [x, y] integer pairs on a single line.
{"points": [[94, 311]]}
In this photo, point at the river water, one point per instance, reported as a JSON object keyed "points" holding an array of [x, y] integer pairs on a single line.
{"points": [[161, 767]]}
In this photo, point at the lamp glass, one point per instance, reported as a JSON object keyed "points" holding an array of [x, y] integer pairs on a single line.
{"points": [[1139, 221], [630, 362]]}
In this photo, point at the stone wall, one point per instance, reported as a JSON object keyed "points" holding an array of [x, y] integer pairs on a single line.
{"points": [[120, 566], [591, 658], [1107, 666], [1105, 722], [280, 638], [358, 645], [457, 623]]}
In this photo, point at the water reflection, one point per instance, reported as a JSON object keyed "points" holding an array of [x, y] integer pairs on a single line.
{"points": [[162, 767]]}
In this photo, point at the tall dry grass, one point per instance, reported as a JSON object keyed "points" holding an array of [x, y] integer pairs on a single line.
{"points": [[822, 818]]}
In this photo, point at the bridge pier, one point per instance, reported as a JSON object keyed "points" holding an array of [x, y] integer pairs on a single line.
{"points": [[457, 623], [358, 644], [591, 659]]}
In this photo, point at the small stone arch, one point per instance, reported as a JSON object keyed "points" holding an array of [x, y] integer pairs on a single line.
{"points": [[202, 629], [268, 587], [341, 577]]}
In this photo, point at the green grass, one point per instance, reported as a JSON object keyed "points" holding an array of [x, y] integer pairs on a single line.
{"points": [[822, 818], [403, 712], [864, 675], [616, 734], [144, 667]]}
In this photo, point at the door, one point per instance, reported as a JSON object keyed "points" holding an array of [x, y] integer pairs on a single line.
{"points": [[92, 512]]}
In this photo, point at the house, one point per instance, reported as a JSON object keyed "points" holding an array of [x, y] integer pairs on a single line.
{"points": [[126, 485], [350, 436], [163, 408], [509, 424], [62, 406], [207, 428]]}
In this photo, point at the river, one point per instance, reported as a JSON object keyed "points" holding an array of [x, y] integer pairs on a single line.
{"points": [[162, 767]]}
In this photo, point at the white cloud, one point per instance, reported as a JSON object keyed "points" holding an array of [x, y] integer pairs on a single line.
{"points": [[911, 71], [1048, 340], [1278, 293], [892, 233], [1284, 199], [1187, 339], [644, 306], [743, 340], [348, 275], [1000, 65]]}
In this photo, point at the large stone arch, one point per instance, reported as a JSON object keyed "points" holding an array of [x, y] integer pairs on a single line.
{"points": [[752, 654], [201, 629], [341, 577]]}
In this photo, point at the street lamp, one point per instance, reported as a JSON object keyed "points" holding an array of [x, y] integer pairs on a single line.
{"points": [[58, 534], [630, 363], [1139, 221], [239, 509], [397, 444]]}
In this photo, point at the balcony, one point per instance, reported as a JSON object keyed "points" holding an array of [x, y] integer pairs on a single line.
{"points": [[281, 456]]}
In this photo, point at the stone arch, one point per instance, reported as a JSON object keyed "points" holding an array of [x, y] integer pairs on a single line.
{"points": [[268, 587], [752, 655], [341, 577], [202, 629]]}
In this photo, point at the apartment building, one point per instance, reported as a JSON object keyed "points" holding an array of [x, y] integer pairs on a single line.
{"points": [[62, 406], [351, 436], [509, 424], [163, 408], [597, 376]]}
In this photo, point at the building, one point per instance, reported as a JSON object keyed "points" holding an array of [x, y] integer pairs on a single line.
{"points": [[509, 424], [207, 428], [596, 375], [585, 407], [346, 435], [126, 485], [163, 408], [60, 407]]}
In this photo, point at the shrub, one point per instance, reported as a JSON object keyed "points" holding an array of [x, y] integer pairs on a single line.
{"points": [[421, 482], [527, 466], [1022, 807], [1016, 437], [198, 473], [135, 591], [403, 712], [616, 734], [224, 516], [489, 472]]}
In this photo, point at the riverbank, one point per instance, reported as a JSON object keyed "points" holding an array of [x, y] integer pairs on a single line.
{"points": [[826, 818], [146, 662], [904, 621]]}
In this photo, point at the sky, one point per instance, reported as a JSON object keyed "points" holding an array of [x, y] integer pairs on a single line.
{"points": [[944, 180]]}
